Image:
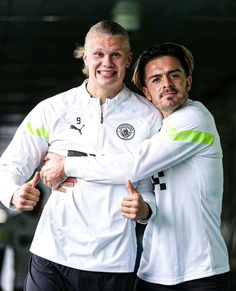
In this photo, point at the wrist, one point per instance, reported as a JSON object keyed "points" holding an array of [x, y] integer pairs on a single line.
{"points": [[148, 212]]}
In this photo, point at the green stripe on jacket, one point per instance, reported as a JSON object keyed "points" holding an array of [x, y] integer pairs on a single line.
{"points": [[41, 132], [191, 136]]}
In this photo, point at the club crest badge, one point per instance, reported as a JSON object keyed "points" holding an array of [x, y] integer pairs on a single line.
{"points": [[125, 131]]}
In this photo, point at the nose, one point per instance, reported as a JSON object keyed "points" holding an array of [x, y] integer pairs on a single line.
{"points": [[166, 81], [107, 61]]}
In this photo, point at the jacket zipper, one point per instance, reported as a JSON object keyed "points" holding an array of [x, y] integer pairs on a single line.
{"points": [[101, 117]]}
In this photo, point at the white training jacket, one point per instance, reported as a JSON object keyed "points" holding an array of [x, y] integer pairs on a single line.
{"points": [[84, 227], [183, 241]]}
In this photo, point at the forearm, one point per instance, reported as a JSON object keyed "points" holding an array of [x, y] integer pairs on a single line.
{"points": [[154, 155], [181, 137], [109, 169], [10, 184]]}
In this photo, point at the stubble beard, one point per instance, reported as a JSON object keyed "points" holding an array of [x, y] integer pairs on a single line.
{"points": [[170, 108]]}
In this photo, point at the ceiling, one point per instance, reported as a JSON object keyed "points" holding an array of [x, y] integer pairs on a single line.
{"points": [[37, 39]]}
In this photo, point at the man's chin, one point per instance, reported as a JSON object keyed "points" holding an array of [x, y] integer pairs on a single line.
{"points": [[170, 108]]}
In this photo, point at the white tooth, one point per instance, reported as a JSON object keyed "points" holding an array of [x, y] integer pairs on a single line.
{"points": [[106, 73]]}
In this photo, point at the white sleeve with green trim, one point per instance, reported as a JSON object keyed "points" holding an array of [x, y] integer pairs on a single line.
{"points": [[187, 132], [24, 154]]}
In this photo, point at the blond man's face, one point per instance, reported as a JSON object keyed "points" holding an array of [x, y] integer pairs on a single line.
{"points": [[107, 58]]}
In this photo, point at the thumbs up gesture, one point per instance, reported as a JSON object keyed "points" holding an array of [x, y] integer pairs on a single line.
{"points": [[27, 197], [133, 206]]}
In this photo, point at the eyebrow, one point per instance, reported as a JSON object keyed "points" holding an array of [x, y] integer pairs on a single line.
{"points": [[115, 50], [168, 72]]}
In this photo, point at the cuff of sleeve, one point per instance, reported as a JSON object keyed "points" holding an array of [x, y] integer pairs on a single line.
{"points": [[71, 168], [7, 195]]}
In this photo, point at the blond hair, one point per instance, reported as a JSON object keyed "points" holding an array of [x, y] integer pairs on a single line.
{"points": [[106, 27]]}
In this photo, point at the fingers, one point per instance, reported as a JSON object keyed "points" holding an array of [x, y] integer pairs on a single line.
{"points": [[68, 183], [52, 172], [61, 189], [130, 187], [49, 156], [44, 179], [46, 158], [26, 198], [131, 206], [129, 213], [35, 179], [130, 202], [27, 204], [133, 196], [53, 175], [47, 180], [71, 180], [136, 209]]}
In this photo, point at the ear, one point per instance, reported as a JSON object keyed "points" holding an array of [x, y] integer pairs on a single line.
{"points": [[189, 83], [146, 93], [85, 59], [130, 57]]}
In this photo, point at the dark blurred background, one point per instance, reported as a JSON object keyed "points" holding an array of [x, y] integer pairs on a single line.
{"points": [[37, 39]]}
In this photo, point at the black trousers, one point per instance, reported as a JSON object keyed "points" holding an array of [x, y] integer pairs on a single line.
{"points": [[213, 283], [48, 276]]}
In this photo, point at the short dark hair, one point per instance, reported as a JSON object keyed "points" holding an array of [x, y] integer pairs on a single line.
{"points": [[175, 50]]}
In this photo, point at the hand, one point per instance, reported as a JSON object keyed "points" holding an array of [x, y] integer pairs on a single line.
{"points": [[27, 197], [133, 206], [69, 182], [52, 172]]}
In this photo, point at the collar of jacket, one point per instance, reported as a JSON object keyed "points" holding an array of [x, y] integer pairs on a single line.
{"points": [[110, 103]]}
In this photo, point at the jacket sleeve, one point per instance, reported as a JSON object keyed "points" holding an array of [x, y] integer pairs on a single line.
{"points": [[184, 134], [23, 155], [145, 188]]}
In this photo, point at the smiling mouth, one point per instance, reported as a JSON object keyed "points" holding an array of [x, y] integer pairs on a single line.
{"points": [[107, 73]]}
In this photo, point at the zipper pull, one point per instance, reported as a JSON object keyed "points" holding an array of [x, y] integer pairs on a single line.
{"points": [[101, 108]]}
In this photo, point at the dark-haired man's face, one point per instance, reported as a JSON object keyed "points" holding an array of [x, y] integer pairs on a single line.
{"points": [[166, 84]]}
